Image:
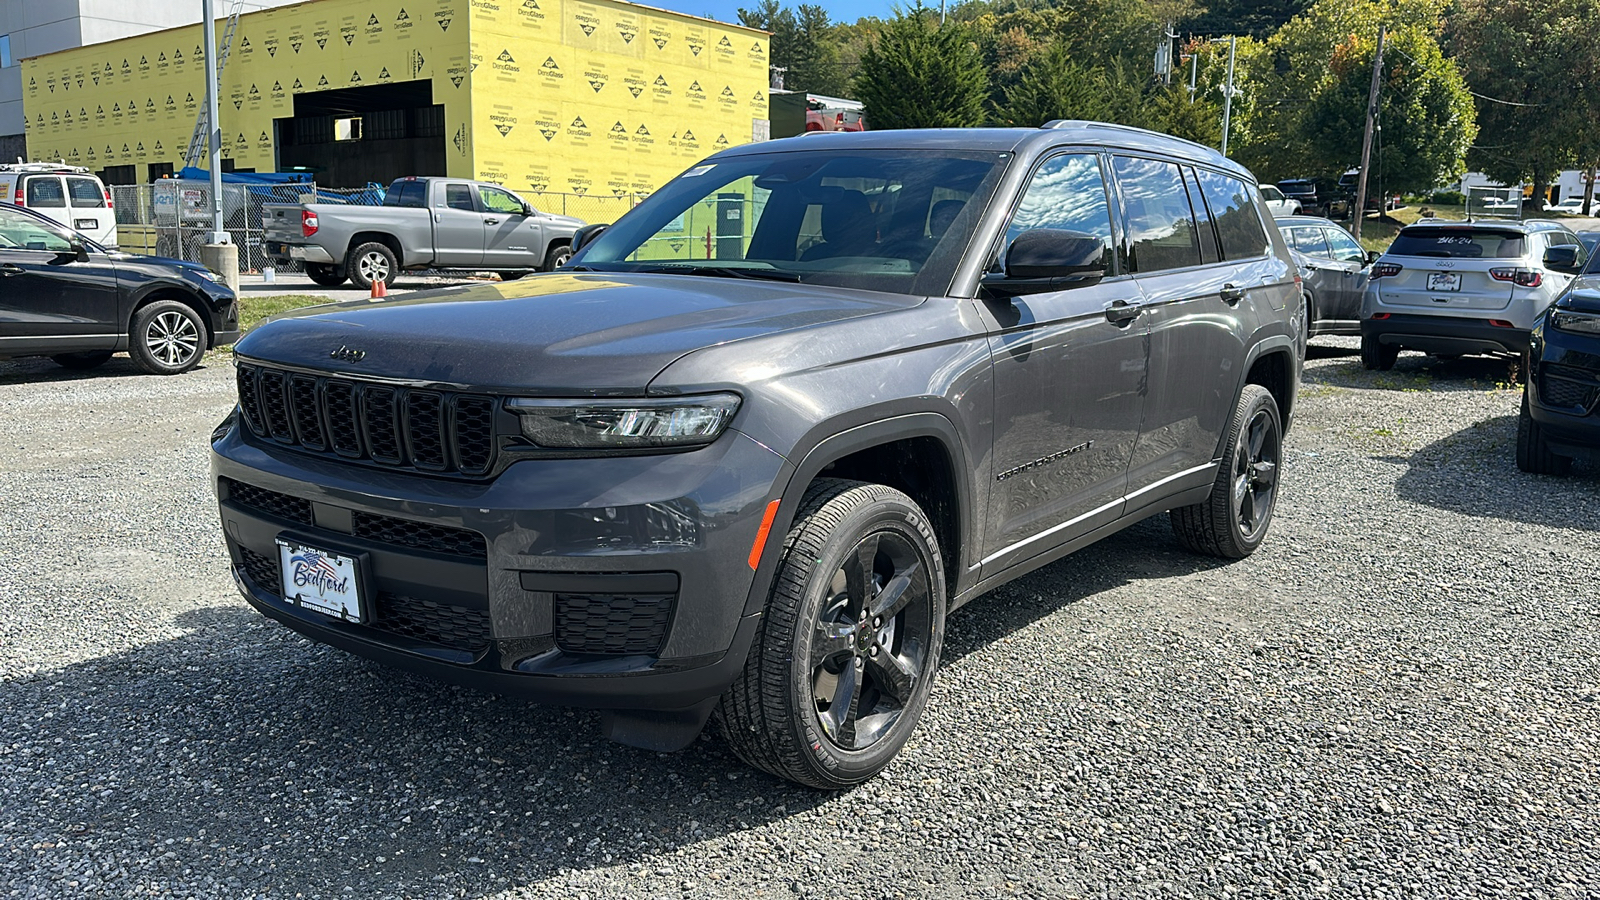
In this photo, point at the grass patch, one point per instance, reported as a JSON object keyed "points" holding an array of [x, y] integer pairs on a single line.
{"points": [[1377, 232], [255, 310]]}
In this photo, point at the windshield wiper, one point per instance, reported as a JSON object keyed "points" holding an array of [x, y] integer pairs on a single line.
{"points": [[722, 272]]}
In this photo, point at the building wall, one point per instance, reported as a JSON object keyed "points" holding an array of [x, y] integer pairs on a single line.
{"points": [[580, 96], [38, 27]]}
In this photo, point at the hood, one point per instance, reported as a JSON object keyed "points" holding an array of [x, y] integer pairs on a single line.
{"points": [[560, 334], [124, 258], [1583, 295]]}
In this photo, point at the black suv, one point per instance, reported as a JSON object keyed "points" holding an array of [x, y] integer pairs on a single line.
{"points": [[66, 297], [1560, 418], [750, 474]]}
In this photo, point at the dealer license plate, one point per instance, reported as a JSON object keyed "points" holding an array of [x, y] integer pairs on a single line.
{"points": [[320, 580], [1444, 281], [86, 224]]}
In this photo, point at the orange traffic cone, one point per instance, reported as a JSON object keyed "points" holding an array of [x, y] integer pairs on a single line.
{"points": [[379, 289]]}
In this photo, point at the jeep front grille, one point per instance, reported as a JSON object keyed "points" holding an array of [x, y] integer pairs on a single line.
{"points": [[1571, 393], [393, 427]]}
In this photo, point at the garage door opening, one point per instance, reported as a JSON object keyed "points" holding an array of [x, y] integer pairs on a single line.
{"points": [[350, 136]]}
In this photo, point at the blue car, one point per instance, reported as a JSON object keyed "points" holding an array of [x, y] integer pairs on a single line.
{"points": [[1559, 420]]}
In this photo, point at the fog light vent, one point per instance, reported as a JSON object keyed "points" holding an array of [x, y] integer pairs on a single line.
{"points": [[613, 624]]}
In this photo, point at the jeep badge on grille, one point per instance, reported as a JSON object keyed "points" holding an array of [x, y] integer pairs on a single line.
{"points": [[348, 354]]}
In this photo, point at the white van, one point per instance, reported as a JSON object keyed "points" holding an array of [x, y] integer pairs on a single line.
{"points": [[71, 195]]}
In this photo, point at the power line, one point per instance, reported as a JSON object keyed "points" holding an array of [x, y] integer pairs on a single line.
{"points": [[1469, 90]]}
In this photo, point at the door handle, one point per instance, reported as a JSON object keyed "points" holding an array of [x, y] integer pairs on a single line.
{"points": [[1121, 312], [491, 221], [1231, 295], [10, 269]]}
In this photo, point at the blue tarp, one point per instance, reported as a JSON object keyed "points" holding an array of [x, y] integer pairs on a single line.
{"points": [[261, 182]]}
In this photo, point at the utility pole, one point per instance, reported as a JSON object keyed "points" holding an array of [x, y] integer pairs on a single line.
{"points": [[214, 139], [1359, 212], [1194, 72], [1227, 96]]}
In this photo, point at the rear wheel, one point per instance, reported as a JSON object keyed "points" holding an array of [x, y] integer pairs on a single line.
{"points": [[371, 262], [167, 338], [1376, 356], [324, 274], [845, 654], [1233, 521], [1308, 311], [1533, 455], [82, 362]]}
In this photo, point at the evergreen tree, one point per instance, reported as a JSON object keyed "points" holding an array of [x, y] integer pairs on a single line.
{"points": [[1053, 86], [919, 74]]}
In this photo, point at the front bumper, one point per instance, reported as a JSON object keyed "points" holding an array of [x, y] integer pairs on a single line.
{"points": [[614, 583], [1564, 391], [1445, 335]]}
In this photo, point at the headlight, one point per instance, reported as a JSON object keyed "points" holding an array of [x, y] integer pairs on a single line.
{"points": [[625, 424], [207, 274], [1575, 322]]}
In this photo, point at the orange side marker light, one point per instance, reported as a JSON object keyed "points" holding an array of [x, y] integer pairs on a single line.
{"points": [[761, 534]]}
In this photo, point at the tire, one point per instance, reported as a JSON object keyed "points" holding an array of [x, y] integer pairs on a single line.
{"points": [[1308, 309], [324, 274], [82, 362], [1533, 454], [818, 640], [371, 262], [1376, 356], [167, 338], [515, 274], [1233, 521], [557, 257]]}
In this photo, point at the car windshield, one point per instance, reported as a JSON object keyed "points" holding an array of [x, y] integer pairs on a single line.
{"points": [[879, 220], [1460, 243], [1593, 266]]}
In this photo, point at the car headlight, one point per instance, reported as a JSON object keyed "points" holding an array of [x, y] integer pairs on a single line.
{"points": [[206, 274], [1575, 322], [625, 424]]}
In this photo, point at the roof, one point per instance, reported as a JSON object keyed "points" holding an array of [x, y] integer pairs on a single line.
{"points": [[1524, 225]]}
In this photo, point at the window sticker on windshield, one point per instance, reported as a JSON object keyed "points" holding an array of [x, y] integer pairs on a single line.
{"points": [[698, 170]]}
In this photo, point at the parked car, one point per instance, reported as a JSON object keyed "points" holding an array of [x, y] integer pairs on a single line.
{"points": [[1571, 206], [1279, 204], [1333, 270], [69, 195], [926, 363], [1308, 192], [424, 223], [1560, 417], [1454, 288], [66, 297]]}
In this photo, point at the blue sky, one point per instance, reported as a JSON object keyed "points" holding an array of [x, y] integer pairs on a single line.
{"points": [[728, 10]]}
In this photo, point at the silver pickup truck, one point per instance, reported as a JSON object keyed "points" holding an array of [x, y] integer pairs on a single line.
{"points": [[424, 223]]}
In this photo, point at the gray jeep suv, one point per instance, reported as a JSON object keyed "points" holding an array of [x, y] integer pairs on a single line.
{"points": [[747, 451]]}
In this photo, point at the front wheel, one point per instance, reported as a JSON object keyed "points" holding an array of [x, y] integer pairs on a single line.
{"points": [[845, 654], [1233, 521], [557, 257], [1533, 454], [371, 262], [1378, 357], [167, 338]]}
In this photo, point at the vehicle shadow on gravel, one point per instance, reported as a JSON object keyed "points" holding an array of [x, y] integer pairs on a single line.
{"points": [[1412, 372], [43, 371], [1434, 477]]}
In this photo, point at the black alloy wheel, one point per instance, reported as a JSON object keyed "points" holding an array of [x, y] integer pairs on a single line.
{"points": [[1233, 521]]}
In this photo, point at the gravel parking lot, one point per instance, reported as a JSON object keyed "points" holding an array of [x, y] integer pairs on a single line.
{"points": [[1398, 696]]}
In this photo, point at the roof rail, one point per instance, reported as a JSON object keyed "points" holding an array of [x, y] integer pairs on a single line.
{"points": [[20, 166], [1074, 123]]}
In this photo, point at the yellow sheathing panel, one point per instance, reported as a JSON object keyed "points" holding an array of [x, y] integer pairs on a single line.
{"points": [[135, 100], [593, 98]]}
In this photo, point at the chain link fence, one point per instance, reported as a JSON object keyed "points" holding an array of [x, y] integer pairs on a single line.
{"points": [[172, 217]]}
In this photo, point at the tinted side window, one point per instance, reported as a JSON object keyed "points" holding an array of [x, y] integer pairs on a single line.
{"points": [[45, 191], [85, 193], [1161, 230], [1344, 246], [1238, 224], [1310, 240], [1067, 192], [459, 196], [405, 193]]}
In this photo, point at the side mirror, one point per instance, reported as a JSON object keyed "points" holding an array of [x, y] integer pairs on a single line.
{"points": [[527, 209], [1372, 256], [1563, 259], [77, 250], [585, 236], [1055, 253]]}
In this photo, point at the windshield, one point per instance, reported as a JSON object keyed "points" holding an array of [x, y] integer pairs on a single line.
{"points": [[879, 220], [1459, 243]]}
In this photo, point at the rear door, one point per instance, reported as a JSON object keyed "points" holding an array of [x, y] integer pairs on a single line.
{"points": [[47, 196], [46, 295], [1350, 261], [91, 213], [458, 229], [1445, 269], [511, 238]]}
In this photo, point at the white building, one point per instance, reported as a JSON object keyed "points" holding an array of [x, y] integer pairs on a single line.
{"points": [[36, 27], [1568, 184]]}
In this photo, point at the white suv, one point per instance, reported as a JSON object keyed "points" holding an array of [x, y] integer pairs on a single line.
{"points": [[70, 195], [1453, 288]]}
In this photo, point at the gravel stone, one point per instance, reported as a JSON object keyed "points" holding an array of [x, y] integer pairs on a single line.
{"points": [[1397, 696]]}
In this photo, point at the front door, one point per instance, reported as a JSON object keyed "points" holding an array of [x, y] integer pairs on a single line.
{"points": [[1347, 257], [45, 293], [1069, 372], [511, 238], [458, 227]]}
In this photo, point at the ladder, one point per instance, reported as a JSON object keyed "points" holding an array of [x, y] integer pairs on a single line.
{"points": [[199, 143]]}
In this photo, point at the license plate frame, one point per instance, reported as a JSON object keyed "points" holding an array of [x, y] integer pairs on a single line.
{"points": [[86, 224], [1444, 281], [327, 582]]}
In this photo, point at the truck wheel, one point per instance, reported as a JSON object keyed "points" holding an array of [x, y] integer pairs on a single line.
{"points": [[1376, 356], [167, 338], [844, 657], [324, 274], [82, 362], [1533, 454], [557, 257], [1232, 522], [371, 262]]}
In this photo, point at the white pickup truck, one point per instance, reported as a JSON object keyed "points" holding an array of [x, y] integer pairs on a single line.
{"points": [[424, 223]]}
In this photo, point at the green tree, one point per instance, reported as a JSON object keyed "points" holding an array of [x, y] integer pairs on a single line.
{"points": [[1257, 18], [815, 64], [1053, 86], [919, 74], [1426, 113], [770, 15]]}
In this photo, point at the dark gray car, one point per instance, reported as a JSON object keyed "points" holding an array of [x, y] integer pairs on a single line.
{"points": [[1334, 270], [748, 475]]}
